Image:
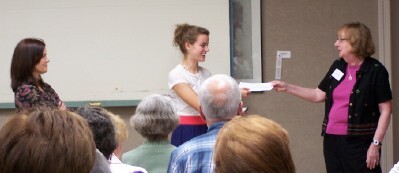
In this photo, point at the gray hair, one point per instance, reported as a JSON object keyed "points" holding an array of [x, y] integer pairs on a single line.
{"points": [[219, 97], [155, 117]]}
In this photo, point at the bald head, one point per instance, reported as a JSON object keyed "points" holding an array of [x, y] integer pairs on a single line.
{"points": [[219, 97]]}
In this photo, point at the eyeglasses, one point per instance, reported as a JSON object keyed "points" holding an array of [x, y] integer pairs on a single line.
{"points": [[341, 39]]}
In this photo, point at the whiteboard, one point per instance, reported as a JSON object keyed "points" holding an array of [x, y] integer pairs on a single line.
{"points": [[110, 50]]}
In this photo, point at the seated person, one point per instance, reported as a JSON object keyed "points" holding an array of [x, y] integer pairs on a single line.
{"points": [[252, 144], [46, 141], [104, 133], [121, 134], [155, 119], [220, 101]]}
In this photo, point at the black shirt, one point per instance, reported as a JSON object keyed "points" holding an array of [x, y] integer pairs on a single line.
{"points": [[371, 88]]}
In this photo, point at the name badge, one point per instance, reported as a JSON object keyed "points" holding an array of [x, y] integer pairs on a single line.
{"points": [[337, 74]]}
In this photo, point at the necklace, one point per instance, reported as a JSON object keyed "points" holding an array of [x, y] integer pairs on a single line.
{"points": [[350, 75], [188, 69], [356, 67]]}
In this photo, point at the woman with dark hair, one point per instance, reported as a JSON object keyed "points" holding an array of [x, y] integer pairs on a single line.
{"points": [[29, 62]]}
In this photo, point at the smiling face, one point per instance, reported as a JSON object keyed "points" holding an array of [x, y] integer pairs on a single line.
{"points": [[343, 44], [197, 51], [41, 67]]}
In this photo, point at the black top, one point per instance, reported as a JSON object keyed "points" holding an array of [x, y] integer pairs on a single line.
{"points": [[371, 88]]}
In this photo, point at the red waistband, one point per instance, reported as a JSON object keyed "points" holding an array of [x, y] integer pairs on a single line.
{"points": [[191, 120]]}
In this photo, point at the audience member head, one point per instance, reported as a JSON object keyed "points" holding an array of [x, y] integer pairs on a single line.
{"points": [[27, 54], [155, 118], [359, 37], [121, 132], [253, 144], [46, 141], [101, 125], [185, 33], [219, 98]]}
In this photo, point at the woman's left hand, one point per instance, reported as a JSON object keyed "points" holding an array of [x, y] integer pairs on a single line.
{"points": [[373, 156], [62, 106], [245, 92]]}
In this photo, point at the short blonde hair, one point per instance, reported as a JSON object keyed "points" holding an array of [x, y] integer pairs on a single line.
{"points": [[253, 144], [121, 132]]}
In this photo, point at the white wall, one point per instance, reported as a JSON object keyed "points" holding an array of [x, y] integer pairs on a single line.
{"points": [[110, 50]]}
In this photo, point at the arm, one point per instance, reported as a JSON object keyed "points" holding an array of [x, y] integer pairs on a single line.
{"points": [[62, 106], [373, 154], [25, 97], [185, 92], [384, 120], [28, 96], [309, 94]]}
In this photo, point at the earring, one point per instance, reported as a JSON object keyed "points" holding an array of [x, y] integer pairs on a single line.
{"points": [[188, 50]]}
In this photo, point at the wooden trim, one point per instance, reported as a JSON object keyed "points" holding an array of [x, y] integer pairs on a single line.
{"points": [[384, 44], [72, 104]]}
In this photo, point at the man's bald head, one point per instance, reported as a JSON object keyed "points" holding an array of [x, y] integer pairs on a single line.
{"points": [[219, 97]]}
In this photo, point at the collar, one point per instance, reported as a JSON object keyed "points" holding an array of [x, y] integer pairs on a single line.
{"points": [[217, 125], [364, 68], [161, 142], [114, 160]]}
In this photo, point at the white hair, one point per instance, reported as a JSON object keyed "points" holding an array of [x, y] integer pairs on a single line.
{"points": [[155, 117], [219, 97]]}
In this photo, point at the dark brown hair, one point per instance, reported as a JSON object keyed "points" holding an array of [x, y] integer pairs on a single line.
{"points": [[27, 54], [359, 37], [102, 128], [46, 141], [187, 33]]}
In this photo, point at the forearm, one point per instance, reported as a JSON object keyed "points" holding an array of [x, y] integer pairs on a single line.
{"points": [[185, 92], [309, 94], [193, 102], [384, 120]]}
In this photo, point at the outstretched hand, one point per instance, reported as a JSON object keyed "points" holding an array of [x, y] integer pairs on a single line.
{"points": [[62, 106], [245, 92], [279, 85]]}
